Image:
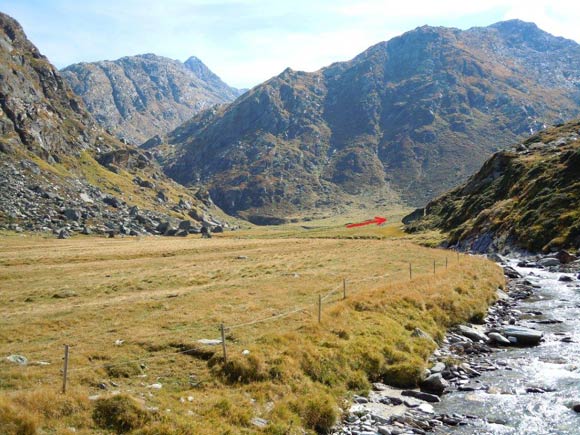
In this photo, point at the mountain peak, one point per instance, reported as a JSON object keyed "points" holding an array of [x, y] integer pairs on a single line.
{"points": [[195, 65], [151, 56], [522, 33], [515, 24], [193, 60], [15, 35], [138, 97], [403, 120]]}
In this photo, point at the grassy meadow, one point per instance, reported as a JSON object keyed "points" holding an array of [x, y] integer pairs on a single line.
{"points": [[133, 309]]}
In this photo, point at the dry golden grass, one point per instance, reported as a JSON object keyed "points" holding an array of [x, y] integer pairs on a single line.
{"points": [[161, 295]]}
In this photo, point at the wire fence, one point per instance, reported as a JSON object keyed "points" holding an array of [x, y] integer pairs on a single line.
{"points": [[343, 290]]}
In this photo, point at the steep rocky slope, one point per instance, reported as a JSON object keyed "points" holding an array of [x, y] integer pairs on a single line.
{"points": [[137, 97], [407, 119], [527, 197], [60, 171]]}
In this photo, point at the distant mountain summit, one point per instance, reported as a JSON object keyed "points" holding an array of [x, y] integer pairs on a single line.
{"points": [[403, 121], [137, 97]]}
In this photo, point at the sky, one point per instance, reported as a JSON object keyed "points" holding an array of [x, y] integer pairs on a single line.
{"points": [[246, 42]]}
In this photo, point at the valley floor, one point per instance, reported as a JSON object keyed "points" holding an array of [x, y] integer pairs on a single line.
{"points": [[132, 311]]}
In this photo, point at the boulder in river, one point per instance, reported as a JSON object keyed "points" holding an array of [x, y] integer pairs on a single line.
{"points": [[438, 367], [521, 336], [525, 263], [497, 338], [510, 272], [434, 384], [565, 257], [549, 262], [432, 398], [472, 333]]}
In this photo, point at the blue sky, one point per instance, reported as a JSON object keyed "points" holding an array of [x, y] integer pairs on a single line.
{"points": [[248, 41]]}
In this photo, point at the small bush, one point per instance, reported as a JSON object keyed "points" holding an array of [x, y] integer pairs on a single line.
{"points": [[245, 370], [15, 421], [319, 413], [372, 363], [51, 404], [123, 369], [119, 413], [323, 369], [478, 318], [236, 413], [358, 383], [403, 375]]}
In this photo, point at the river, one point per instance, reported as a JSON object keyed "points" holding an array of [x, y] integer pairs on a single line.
{"points": [[507, 407]]}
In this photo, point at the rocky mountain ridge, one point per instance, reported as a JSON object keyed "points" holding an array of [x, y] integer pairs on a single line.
{"points": [[61, 172], [401, 122], [137, 97], [523, 198]]}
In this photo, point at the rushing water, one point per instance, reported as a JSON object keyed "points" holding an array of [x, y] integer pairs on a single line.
{"points": [[554, 366]]}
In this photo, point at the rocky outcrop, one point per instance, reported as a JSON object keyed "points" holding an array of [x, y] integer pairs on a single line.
{"points": [[403, 121], [526, 197], [137, 97], [61, 172], [38, 111]]}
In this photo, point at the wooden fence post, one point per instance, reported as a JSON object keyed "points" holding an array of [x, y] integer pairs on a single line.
{"points": [[223, 331], [65, 369], [410, 271], [433, 267], [344, 288]]}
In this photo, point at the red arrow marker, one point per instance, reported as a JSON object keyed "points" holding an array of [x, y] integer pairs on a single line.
{"points": [[377, 220]]}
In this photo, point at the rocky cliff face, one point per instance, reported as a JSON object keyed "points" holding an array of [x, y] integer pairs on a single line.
{"points": [[404, 120], [61, 172], [526, 197], [138, 97]]}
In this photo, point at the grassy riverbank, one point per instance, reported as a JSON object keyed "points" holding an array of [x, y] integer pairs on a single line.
{"points": [[133, 310]]}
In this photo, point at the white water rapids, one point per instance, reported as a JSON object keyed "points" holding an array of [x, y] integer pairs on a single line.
{"points": [[553, 366]]}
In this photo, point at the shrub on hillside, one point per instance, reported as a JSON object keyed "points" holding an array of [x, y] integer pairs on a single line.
{"points": [[319, 412], [243, 369], [123, 369], [15, 421], [357, 382], [119, 413], [403, 375]]}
